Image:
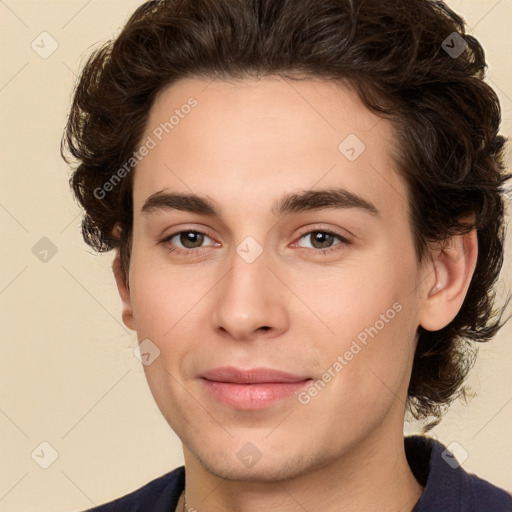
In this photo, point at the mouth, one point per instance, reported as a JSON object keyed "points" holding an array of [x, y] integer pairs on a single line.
{"points": [[251, 389]]}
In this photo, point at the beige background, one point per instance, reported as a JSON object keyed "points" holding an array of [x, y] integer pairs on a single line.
{"points": [[68, 374]]}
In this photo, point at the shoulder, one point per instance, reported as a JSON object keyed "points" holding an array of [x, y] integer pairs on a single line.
{"points": [[447, 486], [486, 496], [159, 495]]}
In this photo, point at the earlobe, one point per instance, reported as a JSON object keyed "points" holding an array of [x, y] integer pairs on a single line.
{"points": [[124, 292], [453, 268]]}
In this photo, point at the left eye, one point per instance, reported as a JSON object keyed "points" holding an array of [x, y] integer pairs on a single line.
{"points": [[322, 239]]}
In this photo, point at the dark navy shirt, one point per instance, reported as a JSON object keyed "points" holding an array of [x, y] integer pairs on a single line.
{"points": [[448, 488]]}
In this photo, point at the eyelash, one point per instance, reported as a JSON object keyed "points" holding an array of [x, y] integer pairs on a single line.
{"points": [[343, 241]]}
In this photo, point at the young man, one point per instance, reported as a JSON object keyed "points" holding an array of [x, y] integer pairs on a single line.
{"points": [[305, 200]]}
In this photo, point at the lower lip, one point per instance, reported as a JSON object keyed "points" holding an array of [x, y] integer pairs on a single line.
{"points": [[252, 396]]}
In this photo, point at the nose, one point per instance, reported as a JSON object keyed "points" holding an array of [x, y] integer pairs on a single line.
{"points": [[250, 302]]}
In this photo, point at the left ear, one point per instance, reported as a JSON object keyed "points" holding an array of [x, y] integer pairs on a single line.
{"points": [[453, 268]]}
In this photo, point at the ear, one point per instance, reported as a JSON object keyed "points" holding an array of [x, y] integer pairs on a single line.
{"points": [[450, 276], [124, 292]]}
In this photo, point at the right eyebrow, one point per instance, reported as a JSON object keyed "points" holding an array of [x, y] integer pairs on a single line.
{"points": [[177, 201]]}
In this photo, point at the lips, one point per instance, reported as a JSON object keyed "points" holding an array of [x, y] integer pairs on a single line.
{"points": [[250, 376], [251, 389]]}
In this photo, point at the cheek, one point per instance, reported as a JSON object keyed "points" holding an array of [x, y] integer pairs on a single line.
{"points": [[367, 317], [366, 370], [162, 296], [345, 301]]}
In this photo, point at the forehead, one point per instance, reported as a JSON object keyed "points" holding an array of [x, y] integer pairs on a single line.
{"points": [[261, 138]]}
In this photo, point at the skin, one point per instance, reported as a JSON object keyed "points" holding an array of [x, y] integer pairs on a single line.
{"points": [[245, 145]]}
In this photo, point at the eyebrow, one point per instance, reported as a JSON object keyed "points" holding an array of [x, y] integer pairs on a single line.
{"points": [[307, 200]]}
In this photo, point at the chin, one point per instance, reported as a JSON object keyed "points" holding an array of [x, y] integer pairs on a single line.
{"points": [[270, 467]]}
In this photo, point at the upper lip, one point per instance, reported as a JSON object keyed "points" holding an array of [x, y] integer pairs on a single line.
{"points": [[250, 376]]}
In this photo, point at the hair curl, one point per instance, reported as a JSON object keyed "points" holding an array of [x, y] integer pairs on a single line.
{"points": [[445, 116]]}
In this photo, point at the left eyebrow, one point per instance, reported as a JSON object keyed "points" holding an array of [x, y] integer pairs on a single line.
{"points": [[338, 198], [306, 200]]}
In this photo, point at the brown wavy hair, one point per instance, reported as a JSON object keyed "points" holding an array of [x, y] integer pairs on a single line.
{"points": [[394, 54]]}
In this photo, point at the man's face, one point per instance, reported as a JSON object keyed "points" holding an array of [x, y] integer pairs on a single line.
{"points": [[329, 295]]}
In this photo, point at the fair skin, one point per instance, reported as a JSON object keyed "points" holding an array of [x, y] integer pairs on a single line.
{"points": [[245, 146]]}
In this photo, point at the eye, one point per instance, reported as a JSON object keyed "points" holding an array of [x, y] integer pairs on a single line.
{"points": [[322, 241], [184, 242], [189, 242]]}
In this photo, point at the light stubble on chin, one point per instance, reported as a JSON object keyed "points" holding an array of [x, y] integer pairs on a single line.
{"points": [[231, 469]]}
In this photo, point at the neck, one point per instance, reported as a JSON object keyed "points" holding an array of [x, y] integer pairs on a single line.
{"points": [[372, 476]]}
